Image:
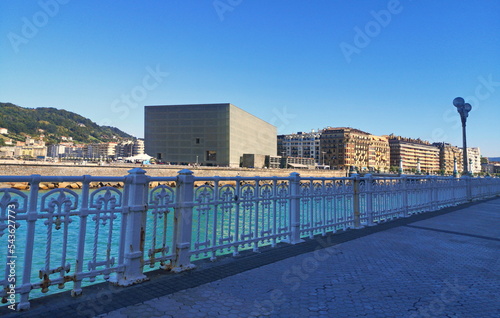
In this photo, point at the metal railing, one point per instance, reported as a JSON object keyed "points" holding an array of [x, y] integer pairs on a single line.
{"points": [[60, 236]]}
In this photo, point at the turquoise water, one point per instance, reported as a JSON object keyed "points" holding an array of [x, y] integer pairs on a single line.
{"points": [[97, 241]]}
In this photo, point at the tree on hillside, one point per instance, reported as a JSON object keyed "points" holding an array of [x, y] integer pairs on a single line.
{"points": [[55, 123]]}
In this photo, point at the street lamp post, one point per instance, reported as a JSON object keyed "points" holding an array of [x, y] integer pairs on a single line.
{"points": [[463, 109]]}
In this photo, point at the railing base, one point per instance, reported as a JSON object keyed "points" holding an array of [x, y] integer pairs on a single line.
{"points": [[179, 269], [123, 282], [23, 306], [292, 242]]}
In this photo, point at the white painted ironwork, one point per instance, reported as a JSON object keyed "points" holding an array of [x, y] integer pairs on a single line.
{"points": [[78, 236], [233, 214]]}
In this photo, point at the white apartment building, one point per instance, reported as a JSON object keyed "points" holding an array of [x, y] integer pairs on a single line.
{"points": [[301, 145], [474, 156], [56, 151]]}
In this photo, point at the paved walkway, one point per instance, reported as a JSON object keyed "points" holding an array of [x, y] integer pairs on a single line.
{"points": [[440, 264]]}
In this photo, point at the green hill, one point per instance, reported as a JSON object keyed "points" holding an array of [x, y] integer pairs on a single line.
{"points": [[54, 123]]}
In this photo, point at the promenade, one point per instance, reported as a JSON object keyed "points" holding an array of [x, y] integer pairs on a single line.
{"points": [[437, 264]]}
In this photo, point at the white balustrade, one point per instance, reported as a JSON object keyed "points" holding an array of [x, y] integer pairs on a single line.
{"points": [[66, 236]]}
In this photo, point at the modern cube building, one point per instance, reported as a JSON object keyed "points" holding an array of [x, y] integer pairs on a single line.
{"points": [[208, 134]]}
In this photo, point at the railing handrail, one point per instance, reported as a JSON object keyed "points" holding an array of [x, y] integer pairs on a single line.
{"points": [[39, 178]]}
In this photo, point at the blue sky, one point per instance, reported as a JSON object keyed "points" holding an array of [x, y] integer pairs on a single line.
{"points": [[379, 66]]}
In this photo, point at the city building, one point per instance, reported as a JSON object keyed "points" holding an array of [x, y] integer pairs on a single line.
{"points": [[30, 148], [301, 144], [30, 151], [285, 162], [130, 148], [448, 154], [124, 149], [138, 147], [379, 153], [345, 148], [7, 152], [56, 151], [413, 155], [74, 151], [66, 150], [474, 157], [4, 131], [207, 134], [491, 165], [250, 160], [105, 150]]}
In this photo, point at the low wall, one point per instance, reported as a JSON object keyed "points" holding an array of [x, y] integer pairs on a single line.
{"points": [[20, 169], [11, 169]]}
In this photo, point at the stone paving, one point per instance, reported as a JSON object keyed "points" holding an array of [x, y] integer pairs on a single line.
{"points": [[447, 266], [439, 264]]}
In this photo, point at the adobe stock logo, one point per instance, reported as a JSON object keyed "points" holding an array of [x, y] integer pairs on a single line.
{"points": [[223, 6], [150, 81], [363, 37], [31, 27]]}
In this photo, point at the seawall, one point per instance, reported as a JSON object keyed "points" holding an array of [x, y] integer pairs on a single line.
{"points": [[26, 169]]}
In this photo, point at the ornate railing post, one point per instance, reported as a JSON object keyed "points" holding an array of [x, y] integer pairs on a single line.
{"points": [[295, 208], [496, 186], [454, 190], [355, 201], [25, 288], [404, 196], [134, 210], [84, 212], [369, 199], [428, 193], [183, 219], [468, 187], [488, 187], [434, 192], [484, 187]]}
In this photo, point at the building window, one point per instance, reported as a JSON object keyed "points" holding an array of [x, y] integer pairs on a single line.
{"points": [[197, 141], [158, 156], [211, 155]]}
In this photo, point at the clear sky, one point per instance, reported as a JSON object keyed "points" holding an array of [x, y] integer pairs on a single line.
{"points": [[379, 66]]}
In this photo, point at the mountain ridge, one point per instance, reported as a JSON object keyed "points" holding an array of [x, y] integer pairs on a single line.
{"points": [[53, 124]]}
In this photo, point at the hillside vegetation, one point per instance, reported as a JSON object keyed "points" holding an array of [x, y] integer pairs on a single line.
{"points": [[54, 123]]}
